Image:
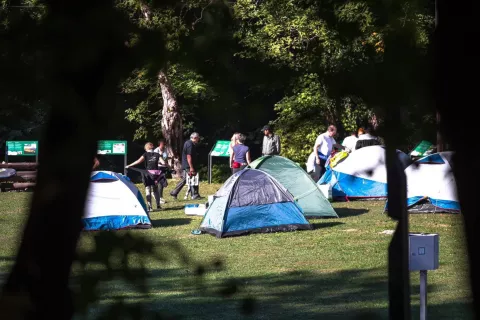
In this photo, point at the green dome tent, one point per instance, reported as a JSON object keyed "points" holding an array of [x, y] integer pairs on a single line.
{"points": [[298, 183]]}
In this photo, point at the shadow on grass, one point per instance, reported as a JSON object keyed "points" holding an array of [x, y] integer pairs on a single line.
{"points": [[170, 222], [350, 212], [175, 208], [318, 225], [348, 294]]}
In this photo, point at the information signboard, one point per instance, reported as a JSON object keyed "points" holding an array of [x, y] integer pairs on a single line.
{"points": [[421, 149], [22, 148], [113, 147], [220, 149]]}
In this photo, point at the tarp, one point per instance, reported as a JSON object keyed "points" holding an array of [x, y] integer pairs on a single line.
{"points": [[304, 190], [114, 202], [252, 201]]}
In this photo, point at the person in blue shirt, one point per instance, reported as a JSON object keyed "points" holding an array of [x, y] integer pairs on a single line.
{"points": [[241, 155]]}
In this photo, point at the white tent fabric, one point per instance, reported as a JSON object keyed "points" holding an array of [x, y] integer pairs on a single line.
{"points": [[431, 186], [362, 174], [114, 202]]}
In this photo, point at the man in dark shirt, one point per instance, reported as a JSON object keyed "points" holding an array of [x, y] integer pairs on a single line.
{"points": [[189, 165]]}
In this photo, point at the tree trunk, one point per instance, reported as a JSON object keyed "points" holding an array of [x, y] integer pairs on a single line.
{"points": [[172, 128], [439, 133], [455, 100]]}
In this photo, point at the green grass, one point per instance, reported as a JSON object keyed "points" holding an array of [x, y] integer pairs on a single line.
{"points": [[332, 272]]}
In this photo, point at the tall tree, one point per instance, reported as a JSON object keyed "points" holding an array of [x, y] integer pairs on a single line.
{"points": [[161, 107]]}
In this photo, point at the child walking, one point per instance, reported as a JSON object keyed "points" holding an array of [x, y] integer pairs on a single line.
{"points": [[151, 176]]}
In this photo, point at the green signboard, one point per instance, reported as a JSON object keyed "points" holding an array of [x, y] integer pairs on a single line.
{"points": [[22, 148], [421, 148], [221, 149], [112, 147]]}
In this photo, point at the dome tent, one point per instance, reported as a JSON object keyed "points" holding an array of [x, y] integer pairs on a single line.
{"points": [[298, 183], [362, 175], [113, 203], [252, 201], [431, 185]]}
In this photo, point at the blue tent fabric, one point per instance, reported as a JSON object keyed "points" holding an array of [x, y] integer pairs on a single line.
{"points": [[252, 201], [362, 175], [360, 187], [449, 205], [115, 222], [432, 159], [102, 175]]}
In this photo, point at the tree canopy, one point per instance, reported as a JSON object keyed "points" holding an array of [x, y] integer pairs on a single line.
{"points": [[234, 66]]}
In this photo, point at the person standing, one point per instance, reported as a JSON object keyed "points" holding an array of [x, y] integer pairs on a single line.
{"points": [[189, 164], [271, 142], [323, 148], [151, 176], [162, 164], [233, 142], [366, 139], [350, 142], [162, 150], [241, 155]]}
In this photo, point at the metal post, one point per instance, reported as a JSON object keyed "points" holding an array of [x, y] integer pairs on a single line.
{"points": [[6, 153], [423, 294], [210, 165], [209, 168], [125, 164]]}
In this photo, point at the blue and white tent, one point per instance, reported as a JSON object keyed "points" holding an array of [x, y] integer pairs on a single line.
{"points": [[113, 203], [362, 175], [252, 201], [431, 186]]}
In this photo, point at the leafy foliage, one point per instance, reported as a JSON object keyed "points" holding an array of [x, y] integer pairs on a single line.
{"points": [[143, 89]]}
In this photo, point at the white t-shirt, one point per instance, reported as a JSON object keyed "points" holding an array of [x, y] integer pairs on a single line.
{"points": [[325, 143], [350, 142]]}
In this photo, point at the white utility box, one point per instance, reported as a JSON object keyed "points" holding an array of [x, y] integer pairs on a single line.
{"points": [[423, 251]]}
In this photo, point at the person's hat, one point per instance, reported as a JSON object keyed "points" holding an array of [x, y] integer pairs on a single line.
{"points": [[266, 127]]}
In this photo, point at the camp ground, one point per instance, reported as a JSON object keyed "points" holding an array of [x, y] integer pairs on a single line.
{"points": [[345, 258]]}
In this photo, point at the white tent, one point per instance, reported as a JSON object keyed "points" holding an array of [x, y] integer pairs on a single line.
{"points": [[431, 186], [362, 175], [113, 203]]}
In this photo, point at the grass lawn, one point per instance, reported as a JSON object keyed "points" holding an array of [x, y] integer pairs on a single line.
{"points": [[335, 271]]}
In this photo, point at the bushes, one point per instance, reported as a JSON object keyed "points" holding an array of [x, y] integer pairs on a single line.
{"points": [[220, 173]]}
